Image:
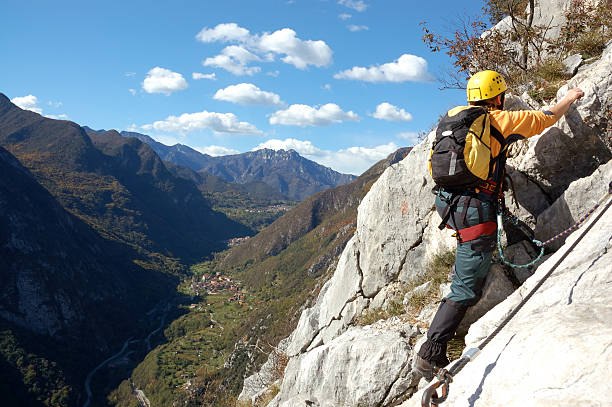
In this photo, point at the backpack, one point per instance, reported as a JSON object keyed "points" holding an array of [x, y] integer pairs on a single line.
{"points": [[461, 155]]}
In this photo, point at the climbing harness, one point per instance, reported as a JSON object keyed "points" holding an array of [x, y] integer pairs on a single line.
{"points": [[504, 214], [445, 377]]}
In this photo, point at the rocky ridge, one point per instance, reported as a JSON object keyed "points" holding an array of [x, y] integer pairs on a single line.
{"points": [[561, 174]]}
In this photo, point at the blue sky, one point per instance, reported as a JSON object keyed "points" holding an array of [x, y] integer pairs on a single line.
{"points": [[343, 82]]}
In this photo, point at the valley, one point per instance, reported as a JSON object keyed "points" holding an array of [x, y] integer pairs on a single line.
{"points": [[142, 222]]}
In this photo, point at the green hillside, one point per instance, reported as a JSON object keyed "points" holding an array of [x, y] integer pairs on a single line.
{"points": [[253, 204]]}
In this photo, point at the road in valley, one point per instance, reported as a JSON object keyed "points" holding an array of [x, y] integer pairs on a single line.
{"points": [[142, 399], [90, 375]]}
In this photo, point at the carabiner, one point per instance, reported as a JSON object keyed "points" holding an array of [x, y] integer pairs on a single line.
{"points": [[430, 396]]}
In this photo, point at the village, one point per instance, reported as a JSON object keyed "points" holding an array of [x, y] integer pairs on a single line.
{"points": [[236, 241], [216, 284], [271, 208]]}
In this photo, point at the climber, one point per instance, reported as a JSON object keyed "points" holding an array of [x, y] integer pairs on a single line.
{"points": [[465, 207]]}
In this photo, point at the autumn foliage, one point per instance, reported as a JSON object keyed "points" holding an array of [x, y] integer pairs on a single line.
{"points": [[524, 52]]}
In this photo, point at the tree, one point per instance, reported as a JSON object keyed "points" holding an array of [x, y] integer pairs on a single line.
{"points": [[519, 49]]}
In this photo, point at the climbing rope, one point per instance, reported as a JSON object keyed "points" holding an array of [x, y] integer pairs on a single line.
{"points": [[445, 377], [500, 228], [507, 216]]}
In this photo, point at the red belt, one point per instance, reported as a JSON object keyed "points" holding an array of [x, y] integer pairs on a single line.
{"points": [[473, 232]]}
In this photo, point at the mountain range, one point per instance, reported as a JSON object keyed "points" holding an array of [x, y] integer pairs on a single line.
{"points": [[117, 185], [285, 171]]}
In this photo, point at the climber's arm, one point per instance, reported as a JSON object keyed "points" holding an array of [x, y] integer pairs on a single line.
{"points": [[516, 125]]}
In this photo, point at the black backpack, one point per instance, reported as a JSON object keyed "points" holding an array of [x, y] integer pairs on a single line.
{"points": [[461, 153]]}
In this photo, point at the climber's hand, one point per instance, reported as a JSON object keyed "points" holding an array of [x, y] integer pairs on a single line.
{"points": [[561, 108], [574, 94]]}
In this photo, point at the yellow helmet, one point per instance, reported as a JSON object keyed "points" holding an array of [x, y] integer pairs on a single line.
{"points": [[485, 85]]}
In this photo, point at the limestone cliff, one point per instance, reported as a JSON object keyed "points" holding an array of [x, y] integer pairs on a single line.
{"points": [[555, 351]]}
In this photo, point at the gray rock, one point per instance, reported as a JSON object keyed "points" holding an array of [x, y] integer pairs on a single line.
{"points": [[530, 197], [572, 63], [258, 384], [551, 14], [521, 253], [390, 293], [576, 145], [391, 220], [529, 102], [575, 202], [360, 367], [343, 288], [513, 102], [420, 290]]}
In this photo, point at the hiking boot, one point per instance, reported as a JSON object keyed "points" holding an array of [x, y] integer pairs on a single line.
{"points": [[424, 368]]}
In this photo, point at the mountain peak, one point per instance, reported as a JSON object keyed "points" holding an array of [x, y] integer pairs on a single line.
{"points": [[4, 98]]}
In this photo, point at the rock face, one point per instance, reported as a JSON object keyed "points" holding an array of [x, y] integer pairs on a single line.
{"points": [[578, 143], [361, 367], [571, 206], [558, 176], [394, 214]]}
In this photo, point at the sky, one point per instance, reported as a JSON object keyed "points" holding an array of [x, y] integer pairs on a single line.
{"points": [[342, 82]]}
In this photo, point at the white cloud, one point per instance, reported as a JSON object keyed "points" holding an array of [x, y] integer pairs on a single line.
{"points": [[405, 68], [357, 5], [216, 150], [327, 86], [234, 59], [161, 80], [353, 160], [344, 16], [293, 50], [132, 91], [28, 102], [303, 147], [355, 28], [219, 123], [304, 115], [223, 32], [199, 75], [386, 111], [248, 94], [412, 137], [273, 74], [297, 52], [129, 74]]}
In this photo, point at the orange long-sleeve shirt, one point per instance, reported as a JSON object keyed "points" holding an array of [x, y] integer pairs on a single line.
{"points": [[518, 125], [514, 126]]}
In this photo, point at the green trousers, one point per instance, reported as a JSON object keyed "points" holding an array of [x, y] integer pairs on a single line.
{"points": [[474, 257], [471, 267]]}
